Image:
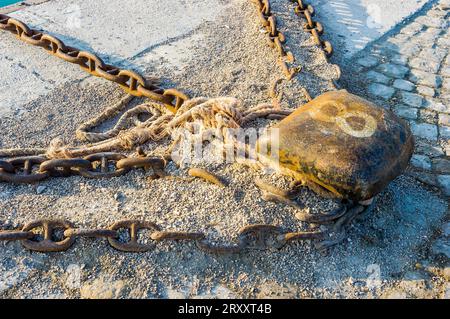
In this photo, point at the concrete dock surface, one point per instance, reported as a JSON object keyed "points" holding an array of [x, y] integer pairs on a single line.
{"points": [[217, 48]]}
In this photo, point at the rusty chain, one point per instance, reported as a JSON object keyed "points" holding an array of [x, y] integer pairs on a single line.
{"points": [[130, 81], [32, 169], [315, 28], [56, 235], [276, 39], [252, 237]]}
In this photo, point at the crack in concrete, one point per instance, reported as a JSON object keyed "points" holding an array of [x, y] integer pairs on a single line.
{"points": [[165, 42]]}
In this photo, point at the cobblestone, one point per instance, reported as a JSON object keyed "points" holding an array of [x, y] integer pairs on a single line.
{"points": [[433, 54], [424, 130], [425, 90], [394, 70], [444, 182], [406, 112], [446, 84], [421, 161], [378, 77], [410, 71], [446, 71], [399, 59], [409, 49], [444, 119], [423, 40], [381, 90], [428, 149], [425, 78], [412, 99], [404, 85], [425, 65], [368, 61], [412, 28], [436, 106], [444, 132], [441, 165], [441, 41], [430, 21]]}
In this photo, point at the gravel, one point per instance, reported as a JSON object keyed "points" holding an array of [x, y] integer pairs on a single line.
{"points": [[233, 59]]}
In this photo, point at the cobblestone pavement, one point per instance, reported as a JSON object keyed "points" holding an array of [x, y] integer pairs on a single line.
{"points": [[408, 70]]}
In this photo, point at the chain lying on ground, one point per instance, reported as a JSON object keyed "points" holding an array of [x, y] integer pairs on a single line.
{"points": [[169, 110], [32, 169], [264, 236], [276, 39], [258, 236], [315, 28], [131, 82]]}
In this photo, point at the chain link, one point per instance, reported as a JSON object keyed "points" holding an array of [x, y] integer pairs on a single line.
{"points": [[130, 81]]}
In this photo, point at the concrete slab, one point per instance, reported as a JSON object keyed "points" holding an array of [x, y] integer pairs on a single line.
{"points": [[352, 24], [104, 27], [28, 72], [120, 30]]}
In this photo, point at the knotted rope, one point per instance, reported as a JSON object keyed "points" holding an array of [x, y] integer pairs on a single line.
{"points": [[217, 114]]}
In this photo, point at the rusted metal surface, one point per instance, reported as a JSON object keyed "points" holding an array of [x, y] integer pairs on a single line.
{"points": [[32, 169], [276, 39], [130, 81], [207, 176], [250, 237], [21, 170], [344, 144], [107, 167], [48, 244], [133, 226]]}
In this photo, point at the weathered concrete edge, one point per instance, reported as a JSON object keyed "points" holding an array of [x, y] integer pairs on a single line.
{"points": [[21, 5]]}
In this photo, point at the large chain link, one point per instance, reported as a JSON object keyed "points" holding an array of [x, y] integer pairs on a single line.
{"points": [[131, 82]]}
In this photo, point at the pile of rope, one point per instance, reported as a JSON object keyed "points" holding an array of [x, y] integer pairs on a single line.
{"points": [[212, 115]]}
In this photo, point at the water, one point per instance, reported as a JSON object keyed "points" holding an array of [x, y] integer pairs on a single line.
{"points": [[4, 3]]}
